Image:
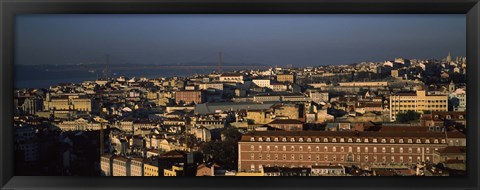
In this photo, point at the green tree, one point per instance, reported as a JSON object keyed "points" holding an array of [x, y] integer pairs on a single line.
{"points": [[224, 152], [408, 116]]}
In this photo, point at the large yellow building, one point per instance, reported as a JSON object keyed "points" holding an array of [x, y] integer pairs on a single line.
{"points": [[418, 102], [286, 78], [150, 168], [78, 103]]}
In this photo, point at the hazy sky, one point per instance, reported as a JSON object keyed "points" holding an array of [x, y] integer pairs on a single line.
{"points": [[300, 40]]}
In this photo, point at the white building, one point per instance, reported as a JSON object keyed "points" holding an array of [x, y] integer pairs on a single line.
{"points": [[106, 165], [264, 83]]}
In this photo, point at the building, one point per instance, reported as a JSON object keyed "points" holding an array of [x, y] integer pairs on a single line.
{"points": [[328, 171], [418, 102], [286, 78], [150, 167], [168, 159], [309, 148], [176, 170], [231, 77], [443, 155], [121, 166], [136, 167], [78, 103], [106, 165], [287, 124], [264, 83], [318, 96], [440, 118], [189, 96]]}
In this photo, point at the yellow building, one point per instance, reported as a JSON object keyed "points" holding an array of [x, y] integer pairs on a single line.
{"points": [[418, 102], [79, 103], [174, 171], [286, 78], [150, 169]]}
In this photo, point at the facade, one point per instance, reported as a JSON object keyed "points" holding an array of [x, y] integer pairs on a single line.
{"points": [[328, 171], [121, 166], [106, 165], [78, 103], [265, 83], [418, 102], [231, 77], [174, 171], [150, 168], [310, 148], [136, 167], [286, 78], [287, 124], [189, 96]]}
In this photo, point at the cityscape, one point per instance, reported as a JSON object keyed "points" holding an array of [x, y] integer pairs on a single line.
{"points": [[402, 117], [240, 95]]}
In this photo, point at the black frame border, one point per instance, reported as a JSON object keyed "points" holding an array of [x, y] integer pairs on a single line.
{"points": [[9, 8]]}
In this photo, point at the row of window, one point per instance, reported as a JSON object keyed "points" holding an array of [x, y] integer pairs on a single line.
{"points": [[367, 158], [342, 149], [357, 140]]}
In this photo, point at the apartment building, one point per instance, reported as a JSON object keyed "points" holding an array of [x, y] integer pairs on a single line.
{"points": [[418, 102]]}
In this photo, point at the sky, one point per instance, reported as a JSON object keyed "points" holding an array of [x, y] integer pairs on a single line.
{"points": [[300, 40]]}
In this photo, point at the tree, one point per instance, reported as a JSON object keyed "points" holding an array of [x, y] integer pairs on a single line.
{"points": [[408, 116], [226, 151]]}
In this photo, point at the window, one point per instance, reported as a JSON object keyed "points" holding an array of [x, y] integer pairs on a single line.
{"points": [[418, 141], [410, 159], [260, 139], [301, 148], [334, 149], [375, 149], [443, 141], [384, 141], [284, 148], [427, 150], [325, 149], [309, 140], [309, 148], [301, 156], [435, 141], [284, 156], [410, 141], [309, 157], [268, 139], [292, 148], [325, 157], [268, 148], [300, 140], [317, 157], [350, 140], [383, 149], [325, 140], [259, 156], [252, 139], [358, 140], [317, 139], [292, 139], [342, 149], [374, 140], [317, 149], [268, 156], [293, 156], [409, 150], [366, 149], [392, 140], [276, 156], [392, 150], [427, 141], [276, 148], [365, 141], [284, 139], [366, 158], [252, 156], [276, 139], [400, 140], [342, 140], [252, 148], [418, 150], [358, 149], [260, 148], [401, 150]]}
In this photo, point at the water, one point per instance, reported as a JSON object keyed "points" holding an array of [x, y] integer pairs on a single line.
{"points": [[40, 78]]}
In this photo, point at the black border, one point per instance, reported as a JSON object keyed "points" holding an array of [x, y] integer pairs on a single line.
{"points": [[9, 8]]}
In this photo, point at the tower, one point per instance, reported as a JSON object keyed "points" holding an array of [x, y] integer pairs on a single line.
{"points": [[449, 57]]}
